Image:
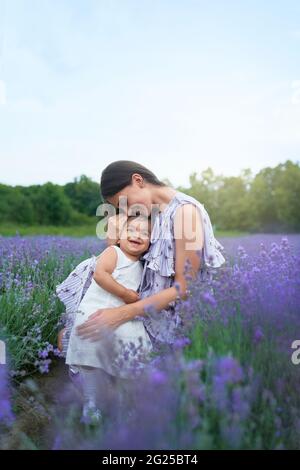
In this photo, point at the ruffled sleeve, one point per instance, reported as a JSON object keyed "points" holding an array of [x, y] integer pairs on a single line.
{"points": [[160, 256], [70, 293], [212, 247]]}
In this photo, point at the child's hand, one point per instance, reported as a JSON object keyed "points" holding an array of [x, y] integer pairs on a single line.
{"points": [[59, 339], [130, 296]]}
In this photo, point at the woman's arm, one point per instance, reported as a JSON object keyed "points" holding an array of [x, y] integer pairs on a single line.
{"points": [[189, 238]]}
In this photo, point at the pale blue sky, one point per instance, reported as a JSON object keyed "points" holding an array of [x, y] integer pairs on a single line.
{"points": [[175, 85]]}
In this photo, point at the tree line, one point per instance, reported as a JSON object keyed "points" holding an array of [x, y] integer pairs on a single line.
{"points": [[50, 204], [268, 201]]}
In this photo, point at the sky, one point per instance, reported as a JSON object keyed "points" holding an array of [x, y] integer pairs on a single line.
{"points": [[175, 85]]}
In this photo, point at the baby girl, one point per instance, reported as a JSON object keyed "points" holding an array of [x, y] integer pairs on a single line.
{"points": [[116, 279]]}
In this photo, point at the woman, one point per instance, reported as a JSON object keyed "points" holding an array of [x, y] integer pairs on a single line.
{"points": [[181, 231]]}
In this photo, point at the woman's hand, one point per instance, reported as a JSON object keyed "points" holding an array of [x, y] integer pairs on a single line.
{"points": [[98, 323]]}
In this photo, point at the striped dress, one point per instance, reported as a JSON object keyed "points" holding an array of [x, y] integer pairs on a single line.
{"points": [[159, 267]]}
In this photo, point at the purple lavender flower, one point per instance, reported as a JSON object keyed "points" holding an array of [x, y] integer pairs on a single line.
{"points": [[258, 335], [229, 370], [158, 377], [43, 353], [6, 415], [181, 342]]}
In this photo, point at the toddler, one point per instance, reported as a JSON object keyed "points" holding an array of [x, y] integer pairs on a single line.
{"points": [[115, 281]]}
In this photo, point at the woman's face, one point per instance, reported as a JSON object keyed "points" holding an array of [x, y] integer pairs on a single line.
{"points": [[138, 197]]}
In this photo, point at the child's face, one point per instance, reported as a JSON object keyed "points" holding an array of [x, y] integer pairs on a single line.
{"points": [[135, 236]]}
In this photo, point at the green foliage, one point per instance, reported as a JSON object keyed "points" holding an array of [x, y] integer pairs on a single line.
{"points": [[275, 198], [50, 204], [84, 195], [14, 205], [233, 204], [268, 201]]}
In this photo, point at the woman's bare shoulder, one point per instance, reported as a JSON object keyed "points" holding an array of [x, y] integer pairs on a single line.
{"points": [[187, 213], [188, 226]]}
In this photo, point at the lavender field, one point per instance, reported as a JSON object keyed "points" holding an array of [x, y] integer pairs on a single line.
{"points": [[228, 382]]}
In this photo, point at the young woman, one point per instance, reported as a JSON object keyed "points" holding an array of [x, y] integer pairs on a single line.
{"points": [[180, 233]]}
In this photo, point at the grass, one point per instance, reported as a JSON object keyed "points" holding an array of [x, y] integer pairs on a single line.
{"points": [[229, 233], [77, 230], [70, 231]]}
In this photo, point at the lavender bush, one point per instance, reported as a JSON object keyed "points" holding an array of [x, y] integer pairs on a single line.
{"points": [[30, 268], [227, 382]]}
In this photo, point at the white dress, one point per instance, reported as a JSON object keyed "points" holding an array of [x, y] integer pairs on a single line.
{"points": [[120, 349]]}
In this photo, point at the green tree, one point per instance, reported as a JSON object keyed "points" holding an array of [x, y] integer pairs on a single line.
{"points": [[52, 205], [287, 195], [269, 201], [262, 201], [275, 198], [204, 189], [84, 195], [233, 204], [15, 206]]}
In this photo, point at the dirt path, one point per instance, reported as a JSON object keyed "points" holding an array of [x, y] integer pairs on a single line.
{"points": [[43, 405], [34, 401]]}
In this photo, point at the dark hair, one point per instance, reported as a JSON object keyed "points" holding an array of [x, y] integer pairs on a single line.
{"points": [[117, 175]]}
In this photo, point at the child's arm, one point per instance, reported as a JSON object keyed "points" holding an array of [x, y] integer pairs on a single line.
{"points": [[105, 265]]}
